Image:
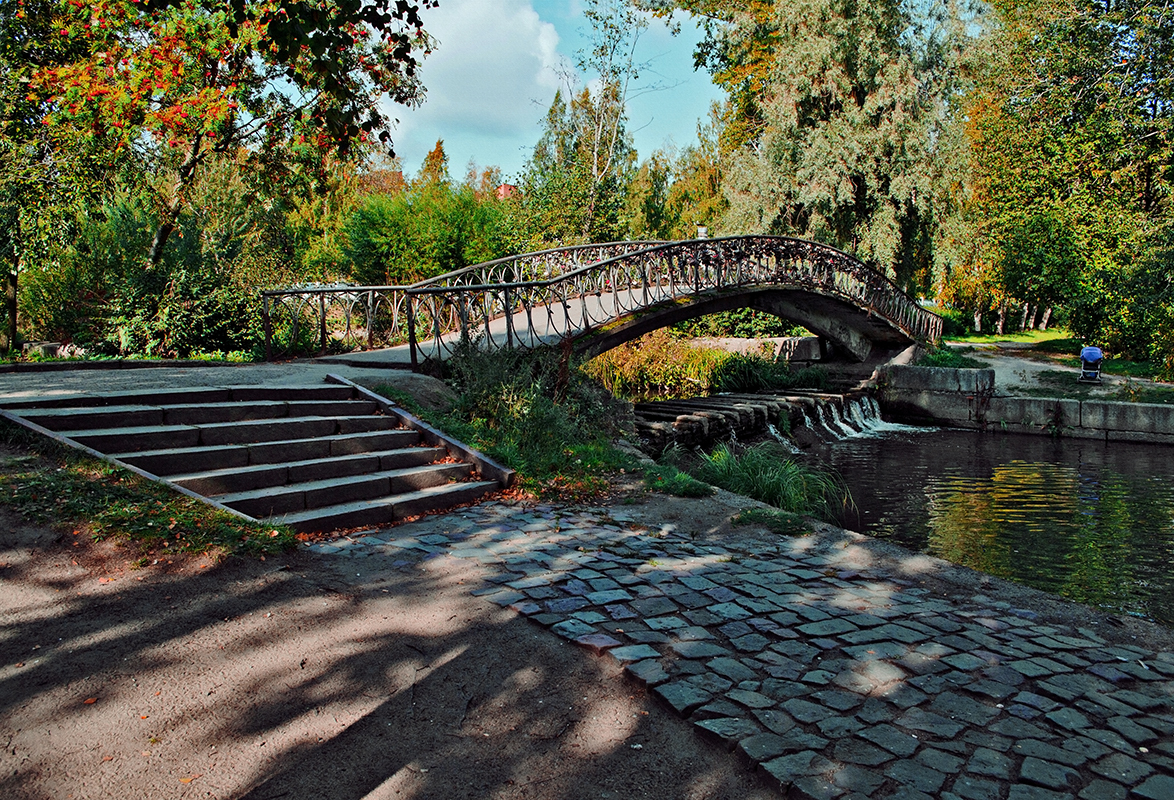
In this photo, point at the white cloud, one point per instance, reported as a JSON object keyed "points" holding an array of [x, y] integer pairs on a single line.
{"points": [[489, 81]]}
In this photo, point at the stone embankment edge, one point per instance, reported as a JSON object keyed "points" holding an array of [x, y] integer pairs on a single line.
{"points": [[965, 398]]}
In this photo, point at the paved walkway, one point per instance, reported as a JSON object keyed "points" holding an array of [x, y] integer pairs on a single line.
{"points": [[833, 677], [52, 383]]}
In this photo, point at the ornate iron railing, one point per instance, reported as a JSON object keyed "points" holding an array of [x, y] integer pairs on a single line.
{"points": [[536, 298], [306, 319]]}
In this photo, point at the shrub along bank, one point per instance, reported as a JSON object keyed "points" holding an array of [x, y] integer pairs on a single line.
{"points": [[549, 420], [660, 365]]}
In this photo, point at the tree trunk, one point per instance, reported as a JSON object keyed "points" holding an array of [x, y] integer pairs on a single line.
{"points": [[1023, 317], [171, 212], [1034, 317], [1002, 324], [978, 320], [1043, 323], [8, 339]]}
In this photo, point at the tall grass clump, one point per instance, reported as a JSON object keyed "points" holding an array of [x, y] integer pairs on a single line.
{"points": [[538, 414], [766, 472]]}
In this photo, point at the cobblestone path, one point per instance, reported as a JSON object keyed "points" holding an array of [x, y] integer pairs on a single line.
{"points": [[835, 679]]}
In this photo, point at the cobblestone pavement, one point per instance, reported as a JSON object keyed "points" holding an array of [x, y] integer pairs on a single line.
{"points": [[835, 679]]}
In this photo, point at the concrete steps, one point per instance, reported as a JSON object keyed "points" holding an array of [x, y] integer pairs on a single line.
{"points": [[314, 457]]}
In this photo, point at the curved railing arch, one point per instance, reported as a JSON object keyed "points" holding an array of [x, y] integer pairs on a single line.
{"points": [[542, 297]]}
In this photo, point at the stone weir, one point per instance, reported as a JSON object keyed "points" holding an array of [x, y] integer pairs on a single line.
{"points": [[809, 417]]}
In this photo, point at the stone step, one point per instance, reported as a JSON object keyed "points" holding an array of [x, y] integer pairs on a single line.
{"points": [[183, 460], [241, 479], [99, 417], [189, 396], [385, 509], [314, 494], [208, 413], [322, 456], [158, 437]]}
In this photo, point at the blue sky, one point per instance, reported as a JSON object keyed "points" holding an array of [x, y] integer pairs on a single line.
{"points": [[496, 70]]}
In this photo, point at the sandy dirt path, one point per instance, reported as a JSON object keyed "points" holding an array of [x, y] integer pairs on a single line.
{"points": [[298, 677]]}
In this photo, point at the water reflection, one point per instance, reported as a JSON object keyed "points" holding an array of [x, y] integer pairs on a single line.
{"points": [[1086, 520]]}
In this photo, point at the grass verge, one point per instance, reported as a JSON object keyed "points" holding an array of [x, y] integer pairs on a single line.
{"points": [[1036, 336], [48, 483]]}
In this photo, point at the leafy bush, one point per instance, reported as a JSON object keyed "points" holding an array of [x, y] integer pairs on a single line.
{"points": [[424, 231], [537, 413], [755, 373], [660, 365], [657, 365], [200, 299]]}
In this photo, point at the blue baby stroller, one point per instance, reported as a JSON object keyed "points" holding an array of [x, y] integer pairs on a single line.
{"points": [[1090, 365]]}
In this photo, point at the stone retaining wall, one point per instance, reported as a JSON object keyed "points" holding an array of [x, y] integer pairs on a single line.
{"points": [[965, 398]]}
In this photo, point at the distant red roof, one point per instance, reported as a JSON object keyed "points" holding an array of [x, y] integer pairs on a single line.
{"points": [[506, 191]]}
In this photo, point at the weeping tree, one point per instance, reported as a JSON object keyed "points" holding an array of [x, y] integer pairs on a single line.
{"points": [[832, 115]]}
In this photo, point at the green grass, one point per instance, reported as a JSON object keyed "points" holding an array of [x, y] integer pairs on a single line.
{"points": [[1019, 336], [668, 479], [1059, 346], [951, 357], [401, 398], [1067, 351], [536, 413], [55, 485], [1063, 384], [768, 473], [783, 523]]}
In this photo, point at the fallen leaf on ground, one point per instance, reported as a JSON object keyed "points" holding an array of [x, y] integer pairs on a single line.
{"points": [[89, 701], [190, 779]]}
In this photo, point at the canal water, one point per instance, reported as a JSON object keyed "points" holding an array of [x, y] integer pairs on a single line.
{"points": [[1089, 521]]}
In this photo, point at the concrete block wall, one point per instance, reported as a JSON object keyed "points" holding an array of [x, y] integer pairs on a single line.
{"points": [[965, 398]]}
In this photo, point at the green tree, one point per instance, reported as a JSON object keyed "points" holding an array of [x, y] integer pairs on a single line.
{"points": [[46, 172], [696, 197], [575, 183], [183, 80], [648, 213], [431, 227], [1070, 130]]}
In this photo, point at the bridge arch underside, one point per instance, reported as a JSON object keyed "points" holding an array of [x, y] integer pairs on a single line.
{"points": [[856, 332]]}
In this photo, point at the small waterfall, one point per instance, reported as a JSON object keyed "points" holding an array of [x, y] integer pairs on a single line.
{"points": [[783, 440], [834, 421], [859, 416]]}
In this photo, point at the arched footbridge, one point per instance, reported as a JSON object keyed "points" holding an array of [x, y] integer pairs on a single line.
{"points": [[599, 296]]}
